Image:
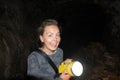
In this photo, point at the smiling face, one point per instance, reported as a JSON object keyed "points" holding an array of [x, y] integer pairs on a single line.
{"points": [[50, 38]]}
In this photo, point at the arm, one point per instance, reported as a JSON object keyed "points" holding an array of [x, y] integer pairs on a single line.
{"points": [[33, 67]]}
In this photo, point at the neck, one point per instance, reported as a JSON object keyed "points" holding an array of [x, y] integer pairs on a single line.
{"points": [[48, 52]]}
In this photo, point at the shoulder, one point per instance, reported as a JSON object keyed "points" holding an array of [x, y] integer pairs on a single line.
{"points": [[33, 54], [59, 50]]}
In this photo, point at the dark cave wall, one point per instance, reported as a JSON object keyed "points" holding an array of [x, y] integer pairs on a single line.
{"points": [[15, 41], [112, 29], [19, 19]]}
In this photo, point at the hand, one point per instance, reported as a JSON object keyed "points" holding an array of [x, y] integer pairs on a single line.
{"points": [[65, 76], [67, 61]]}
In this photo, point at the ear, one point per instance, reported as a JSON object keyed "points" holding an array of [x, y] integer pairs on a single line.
{"points": [[41, 38]]}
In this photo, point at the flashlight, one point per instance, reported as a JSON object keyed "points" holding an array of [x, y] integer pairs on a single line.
{"points": [[73, 68]]}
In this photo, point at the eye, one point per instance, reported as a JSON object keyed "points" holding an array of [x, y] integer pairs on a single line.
{"points": [[49, 35]]}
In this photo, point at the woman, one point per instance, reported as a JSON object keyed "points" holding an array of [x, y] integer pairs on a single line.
{"points": [[49, 35]]}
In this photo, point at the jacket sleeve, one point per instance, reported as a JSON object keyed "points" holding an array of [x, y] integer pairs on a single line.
{"points": [[33, 66]]}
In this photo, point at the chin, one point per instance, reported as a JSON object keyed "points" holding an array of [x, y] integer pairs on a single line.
{"points": [[53, 49]]}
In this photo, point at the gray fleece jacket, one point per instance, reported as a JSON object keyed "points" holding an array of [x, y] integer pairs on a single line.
{"points": [[38, 67]]}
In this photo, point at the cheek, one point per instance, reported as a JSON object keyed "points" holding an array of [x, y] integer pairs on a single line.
{"points": [[48, 40], [59, 39], [51, 39]]}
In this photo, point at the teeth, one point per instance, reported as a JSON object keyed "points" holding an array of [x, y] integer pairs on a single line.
{"points": [[54, 44]]}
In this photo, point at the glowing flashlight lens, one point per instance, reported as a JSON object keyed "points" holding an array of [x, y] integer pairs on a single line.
{"points": [[77, 68]]}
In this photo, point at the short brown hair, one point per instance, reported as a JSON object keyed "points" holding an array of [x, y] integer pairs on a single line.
{"points": [[45, 23]]}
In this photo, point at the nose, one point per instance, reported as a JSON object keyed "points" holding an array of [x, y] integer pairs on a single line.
{"points": [[56, 38]]}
